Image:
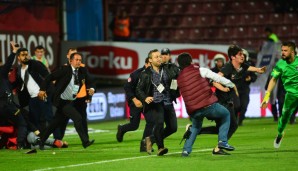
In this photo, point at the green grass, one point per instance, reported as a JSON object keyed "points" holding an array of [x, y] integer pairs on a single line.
{"points": [[253, 143]]}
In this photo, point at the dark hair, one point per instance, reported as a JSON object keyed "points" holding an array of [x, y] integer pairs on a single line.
{"points": [[152, 51], [292, 45], [147, 60], [21, 50], [39, 47], [184, 60], [73, 54], [233, 50]]}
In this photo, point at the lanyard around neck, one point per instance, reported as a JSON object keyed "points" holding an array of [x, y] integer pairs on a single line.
{"points": [[159, 78]]}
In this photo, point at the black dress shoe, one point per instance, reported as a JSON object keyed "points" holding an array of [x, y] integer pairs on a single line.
{"points": [[162, 151], [220, 152], [120, 134], [143, 147], [87, 144]]}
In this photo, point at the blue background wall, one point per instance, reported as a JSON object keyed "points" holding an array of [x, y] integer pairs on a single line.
{"points": [[84, 20]]}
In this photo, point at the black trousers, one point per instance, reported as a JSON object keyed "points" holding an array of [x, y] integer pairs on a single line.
{"points": [[11, 115], [158, 113], [66, 111], [244, 101], [233, 122], [81, 106], [134, 122]]}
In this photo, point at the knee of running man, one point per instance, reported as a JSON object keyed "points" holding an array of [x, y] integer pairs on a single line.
{"points": [[31, 138]]}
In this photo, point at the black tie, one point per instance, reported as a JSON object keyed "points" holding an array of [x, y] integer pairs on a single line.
{"points": [[26, 77], [76, 77]]}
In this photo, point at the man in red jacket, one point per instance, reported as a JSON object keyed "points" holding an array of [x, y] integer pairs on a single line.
{"points": [[200, 102]]}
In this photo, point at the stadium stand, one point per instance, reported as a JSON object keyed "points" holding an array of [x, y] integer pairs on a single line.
{"points": [[209, 21]]}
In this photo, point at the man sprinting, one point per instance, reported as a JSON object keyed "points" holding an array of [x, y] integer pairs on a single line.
{"points": [[287, 70]]}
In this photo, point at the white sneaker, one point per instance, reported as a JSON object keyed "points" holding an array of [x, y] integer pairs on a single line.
{"points": [[277, 141], [185, 154]]}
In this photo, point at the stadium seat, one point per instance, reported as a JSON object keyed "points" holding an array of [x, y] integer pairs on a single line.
{"points": [[198, 34], [179, 35], [160, 21], [165, 35], [165, 9], [211, 21], [135, 10], [223, 32], [275, 18], [206, 20], [283, 30], [187, 21], [206, 8], [150, 9], [261, 19], [180, 8], [290, 18], [233, 19], [174, 21], [254, 32], [145, 22]]}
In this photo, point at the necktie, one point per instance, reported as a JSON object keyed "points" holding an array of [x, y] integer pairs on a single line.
{"points": [[76, 80], [26, 77], [76, 77]]}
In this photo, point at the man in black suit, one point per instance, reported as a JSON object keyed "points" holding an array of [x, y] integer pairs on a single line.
{"points": [[69, 80], [31, 73], [81, 100], [10, 113]]}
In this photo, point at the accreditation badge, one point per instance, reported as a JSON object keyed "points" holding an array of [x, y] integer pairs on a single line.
{"points": [[174, 84], [160, 88]]}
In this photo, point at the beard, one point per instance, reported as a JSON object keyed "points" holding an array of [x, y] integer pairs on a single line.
{"points": [[286, 58], [26, 61]]}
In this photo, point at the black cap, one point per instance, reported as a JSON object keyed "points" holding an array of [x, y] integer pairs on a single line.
{"points": [[165, 51]]}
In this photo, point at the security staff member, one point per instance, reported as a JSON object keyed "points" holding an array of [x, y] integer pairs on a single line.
{"points": [[136, 108]]}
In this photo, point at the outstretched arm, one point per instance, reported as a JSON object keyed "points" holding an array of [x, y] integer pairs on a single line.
{"points": [[207, 73], [258, 70], [271, 85]]}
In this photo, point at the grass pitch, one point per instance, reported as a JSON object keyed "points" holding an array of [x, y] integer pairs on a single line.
{"points": [[253, 143]]}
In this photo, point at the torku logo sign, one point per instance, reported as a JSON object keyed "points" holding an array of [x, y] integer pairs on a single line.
{"points": [[109, 60], [203, 57]]}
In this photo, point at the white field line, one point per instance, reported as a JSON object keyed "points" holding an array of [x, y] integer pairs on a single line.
{"points": [[110, 161]]}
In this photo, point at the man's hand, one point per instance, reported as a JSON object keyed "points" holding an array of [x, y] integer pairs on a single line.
{"points": [[42, 95], [226, 89], [14, 46], [262, 70], [264, 103], [137, 102], [148, 100], [91, 91], [236, 91]]}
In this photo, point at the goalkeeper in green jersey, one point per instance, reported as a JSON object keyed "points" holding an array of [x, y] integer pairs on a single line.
{"points": [[287, 70]]}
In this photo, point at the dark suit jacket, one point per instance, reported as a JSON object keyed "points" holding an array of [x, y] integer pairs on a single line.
{"points": [[63, 76], [38, 72], [131, 84]]}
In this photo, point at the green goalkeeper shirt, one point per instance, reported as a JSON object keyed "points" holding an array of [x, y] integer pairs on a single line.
{"points": [[288, 74]]}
